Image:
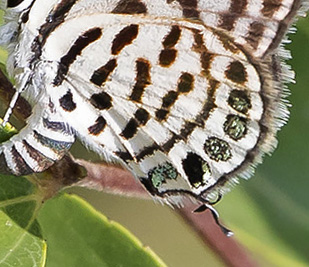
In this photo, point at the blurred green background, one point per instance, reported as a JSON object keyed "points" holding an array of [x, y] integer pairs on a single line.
{"points": [[269, 214]]}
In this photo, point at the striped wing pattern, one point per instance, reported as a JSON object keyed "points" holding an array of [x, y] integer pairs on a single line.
{"points": [[184, 93]]}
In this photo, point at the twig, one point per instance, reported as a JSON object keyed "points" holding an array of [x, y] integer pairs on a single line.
{"points": [[227, 248], [118, 181]]}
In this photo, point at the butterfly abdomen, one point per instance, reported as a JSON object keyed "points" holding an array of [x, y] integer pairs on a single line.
{"points": [[37, 146]]}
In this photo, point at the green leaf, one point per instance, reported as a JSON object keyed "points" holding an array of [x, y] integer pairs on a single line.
{"points": [[21, 243], [20, 239], [77, 235], [18, 247], [6, 132]]}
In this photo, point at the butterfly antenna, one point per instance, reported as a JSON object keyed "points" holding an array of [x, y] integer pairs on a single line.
{"points": [[215, 215], [10, 108]]}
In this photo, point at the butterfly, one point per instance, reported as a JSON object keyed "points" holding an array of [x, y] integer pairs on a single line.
{"points": [[186, 94]]}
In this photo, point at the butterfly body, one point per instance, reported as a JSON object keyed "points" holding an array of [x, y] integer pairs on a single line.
{"points": [[185, 94]]}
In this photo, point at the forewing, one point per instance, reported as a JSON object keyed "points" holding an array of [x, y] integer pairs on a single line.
{"points": [[257, 25]]}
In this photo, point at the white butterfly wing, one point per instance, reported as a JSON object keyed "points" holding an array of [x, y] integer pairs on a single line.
{"points": [[161, 105]]}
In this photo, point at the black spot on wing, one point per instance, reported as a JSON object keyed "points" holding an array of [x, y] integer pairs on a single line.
{"points": [[189, 8], [161, 114], [147, 151], [13, 3], [236, 72], [142, 79], [206, 60], [167, 57], [25, 16], [255, 34], [172, 38], [101, 101], [124, 38], [237, 8], [66, 102], [168, 100], [270, 7], [130, 7], [130, 129], [185, 85], [195, 168], [101, 74], [124, 155], [168, 145], [98, 127], [141, 117]]}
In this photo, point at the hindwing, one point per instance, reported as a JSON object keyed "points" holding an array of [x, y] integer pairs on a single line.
{"points": [[186, 94]]}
